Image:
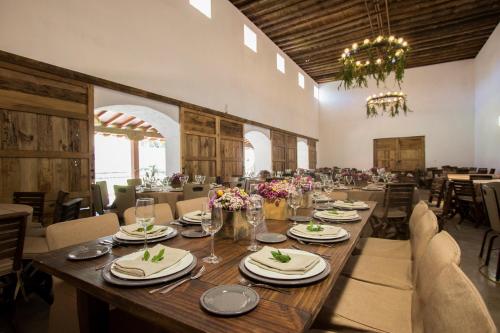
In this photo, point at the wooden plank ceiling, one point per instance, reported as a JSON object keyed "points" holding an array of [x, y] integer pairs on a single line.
{"points": [[314, 32], [122, 122]]}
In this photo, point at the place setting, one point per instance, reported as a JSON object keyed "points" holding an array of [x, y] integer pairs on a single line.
{"points": [[314, 233], [283, 267], [350, 205], [337, 216]]}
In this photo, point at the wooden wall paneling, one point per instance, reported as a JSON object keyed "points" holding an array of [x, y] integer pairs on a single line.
{"points": [[231, 148], [278, 142], [291, 152], [46, 139], [399, 154]]}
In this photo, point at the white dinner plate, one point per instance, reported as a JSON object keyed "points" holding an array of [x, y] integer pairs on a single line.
{"points": [[317, 269], [350, 207], [179, 266], [124, 236], [338, 218], [342, 233]]}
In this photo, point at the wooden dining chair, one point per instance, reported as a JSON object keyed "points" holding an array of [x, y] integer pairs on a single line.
{"points": [[436, 191], [492, 171], [187, 206], [124, 198], [103, 187], [395, 212], [163, 214], [490, 193], [134, 182], [480, 177], [70, 210], [97, 206], [467, 204], [12, 234], [36, 200], [192, 191], [482, 170]]}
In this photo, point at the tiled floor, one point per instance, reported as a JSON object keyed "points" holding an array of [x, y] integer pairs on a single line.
{"points": [[33, 316]]}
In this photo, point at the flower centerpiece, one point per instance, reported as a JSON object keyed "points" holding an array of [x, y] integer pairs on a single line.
{"points": [[275, 193], [150, 178], [232, 201], [175, 180], [305, 183]]}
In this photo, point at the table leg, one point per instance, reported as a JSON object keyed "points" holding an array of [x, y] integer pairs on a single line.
{"points": [[92, 313]]}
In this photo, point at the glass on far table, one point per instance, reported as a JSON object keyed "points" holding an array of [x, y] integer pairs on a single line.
{"points": [[211, 222], [294, 201], [255, 214], [145, 216]]}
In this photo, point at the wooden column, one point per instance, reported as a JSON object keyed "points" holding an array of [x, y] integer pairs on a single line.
{"points": [[134, 154]]}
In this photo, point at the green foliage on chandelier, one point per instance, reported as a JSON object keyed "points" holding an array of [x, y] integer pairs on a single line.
{"points": [[380, 58], [390, 103]]}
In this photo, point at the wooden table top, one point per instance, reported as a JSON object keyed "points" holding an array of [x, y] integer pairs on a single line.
{"points": [[179, 310]]}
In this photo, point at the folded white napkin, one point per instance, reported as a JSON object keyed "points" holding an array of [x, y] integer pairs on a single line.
{"points": [[337, 215], [355, 204], [136, 230], [195, 215], [328, 231], [298, 264], [142, 268]]}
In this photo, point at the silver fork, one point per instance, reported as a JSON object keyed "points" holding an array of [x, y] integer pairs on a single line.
{"points": [[319, 244], [169, 287], [247, 283], [325, 256]]}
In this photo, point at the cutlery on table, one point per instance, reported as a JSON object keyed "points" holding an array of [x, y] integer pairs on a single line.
{"points": [[312, 243], [169, 287], [107, 263], [249, 284], [325, 256]]}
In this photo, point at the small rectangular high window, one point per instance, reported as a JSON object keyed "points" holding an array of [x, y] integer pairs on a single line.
{"points": [[204, 6], [301, 80], [280, 63], [249, 38], [316, 92]]}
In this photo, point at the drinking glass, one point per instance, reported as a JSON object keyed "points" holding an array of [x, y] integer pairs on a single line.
{"points": [[348, 179], [254, 189], [328, 186], [294, 200], [211, 223], [145, 216], [254, 214]]}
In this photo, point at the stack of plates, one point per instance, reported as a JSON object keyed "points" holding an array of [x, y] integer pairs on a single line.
{"points": [[350, 205], [193, 218], [374, 187], [316, 273], [338, 216], [122, 237], [340, 187], [181, 268], [321, 198], [340, 236]]}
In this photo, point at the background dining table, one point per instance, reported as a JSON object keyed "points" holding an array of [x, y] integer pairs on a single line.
{"points": [[169, 196], [179, 310]]}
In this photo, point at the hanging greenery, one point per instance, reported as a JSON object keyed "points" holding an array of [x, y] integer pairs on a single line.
{"points": [[377, 59], [391, 103]]}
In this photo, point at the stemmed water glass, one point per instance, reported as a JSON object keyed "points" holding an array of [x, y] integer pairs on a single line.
{"points": [[145, 216], [211, 222], [294, 201], [254, 214], [184, 180], [348, 179], [328, 186], [317, 188]]}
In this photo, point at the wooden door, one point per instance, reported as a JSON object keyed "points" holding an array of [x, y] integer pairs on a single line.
{"points": [[46, 135], [231, 148], [278, 143], [399, 154], [291, 152], [199, 143], [311, 144]]}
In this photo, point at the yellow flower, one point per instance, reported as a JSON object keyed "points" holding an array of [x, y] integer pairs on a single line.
{"points": [[220, 193]]}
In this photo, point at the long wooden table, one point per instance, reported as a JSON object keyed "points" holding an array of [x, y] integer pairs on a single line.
{"points": [[179, 310]]}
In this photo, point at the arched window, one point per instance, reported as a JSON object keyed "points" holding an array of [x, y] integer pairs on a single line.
{"points": [[302, 154], [257, 149]]}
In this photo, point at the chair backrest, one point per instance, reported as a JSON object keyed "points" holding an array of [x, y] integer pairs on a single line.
{"points": [[163, 214], [480, 177], [12, 233], [463, 170], [437, 190], [187, 206], [492, 171], [124, 197], [62, 196], [482, 170], [69, 210], [34, 199], [134, 182], [455, 305], [425, 228], [441, 251], [491, 203], [399, 196], [464, 188], [103, 186], [97, 205], [210, 180], [192, 191], [82, 230]]}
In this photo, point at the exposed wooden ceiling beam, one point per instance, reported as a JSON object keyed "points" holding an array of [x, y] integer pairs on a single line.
{"points": [[113, 118]]}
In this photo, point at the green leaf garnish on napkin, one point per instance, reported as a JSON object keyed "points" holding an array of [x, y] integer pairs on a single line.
{"points": [[148, 228], [146, 255], [348, 201], [333, 212], [314, 227], [159, 256], [277, 255]]}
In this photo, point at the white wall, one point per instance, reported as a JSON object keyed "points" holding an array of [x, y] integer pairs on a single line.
{"points": [[167, 47], [164, 117], [442, 98], [487, 76], [260, 138]]}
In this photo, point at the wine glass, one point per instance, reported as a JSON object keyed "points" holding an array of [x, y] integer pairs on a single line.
{"points": [[328, 186], [145, 216], [348, 179], [254, 214], [211, 223], [317, 188], [294, 201]]}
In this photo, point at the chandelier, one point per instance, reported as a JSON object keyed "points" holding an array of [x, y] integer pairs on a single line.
{"points": [[390, 102], [376, 58]]}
